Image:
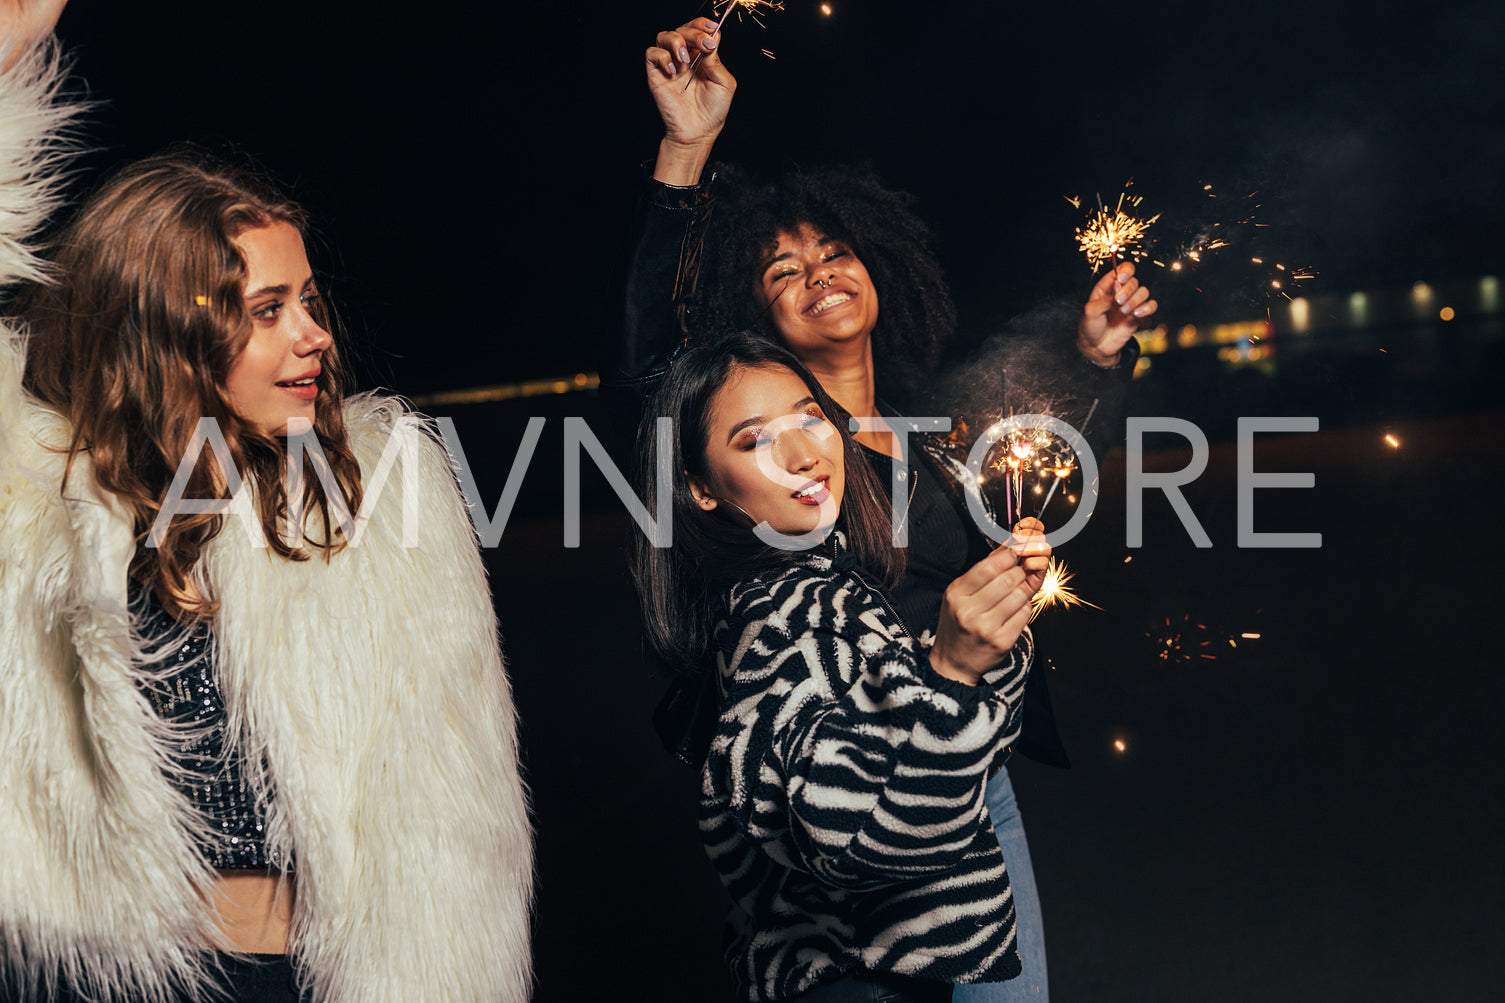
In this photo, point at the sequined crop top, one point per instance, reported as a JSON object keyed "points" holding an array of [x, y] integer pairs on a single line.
{"points": [[187, 694]]}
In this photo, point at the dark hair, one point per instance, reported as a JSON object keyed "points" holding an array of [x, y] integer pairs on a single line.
{"points": [[677, 585], [850, 204], [135, 338]]}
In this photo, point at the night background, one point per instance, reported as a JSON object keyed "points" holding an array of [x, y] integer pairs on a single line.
{"points": [[1312, 814]]}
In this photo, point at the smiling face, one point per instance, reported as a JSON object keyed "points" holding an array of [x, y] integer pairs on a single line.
{"points": [[771, 452], [275, 377], [817, 293]]}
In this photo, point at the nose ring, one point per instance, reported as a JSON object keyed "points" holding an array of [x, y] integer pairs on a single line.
{"points": [[823, 283]]}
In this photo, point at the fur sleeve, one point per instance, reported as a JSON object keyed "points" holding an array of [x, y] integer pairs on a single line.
{"points": [[372, 689], [33, 144], [97, 876]]}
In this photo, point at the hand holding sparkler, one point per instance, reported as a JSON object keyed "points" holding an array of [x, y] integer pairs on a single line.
{"points": [[693, 104], [985, 610], [1114, 309]]}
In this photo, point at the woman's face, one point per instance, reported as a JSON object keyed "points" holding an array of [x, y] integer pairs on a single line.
{"points": [[817, 293], [771, 452], [274, 378]]}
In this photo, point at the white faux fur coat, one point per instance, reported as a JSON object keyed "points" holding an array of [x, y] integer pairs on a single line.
{"points": [[369, 687]]}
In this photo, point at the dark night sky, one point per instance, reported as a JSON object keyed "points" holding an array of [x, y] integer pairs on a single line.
{"points": [[473, 180], [474, 176]]}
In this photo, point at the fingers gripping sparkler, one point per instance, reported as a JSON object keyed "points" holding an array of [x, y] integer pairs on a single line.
{"points": [[752, 7]]}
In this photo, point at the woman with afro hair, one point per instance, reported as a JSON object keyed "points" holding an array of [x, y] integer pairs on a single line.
{"points": [[808, 259]]}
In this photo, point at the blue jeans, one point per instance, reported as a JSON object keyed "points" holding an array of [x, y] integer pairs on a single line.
{"points": [[1031, 984]]}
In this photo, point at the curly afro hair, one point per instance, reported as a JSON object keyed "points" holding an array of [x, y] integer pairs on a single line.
{"points": [[850, 204]]}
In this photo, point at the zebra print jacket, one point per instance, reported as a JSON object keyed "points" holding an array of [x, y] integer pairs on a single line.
{"points": [[842, 799]]}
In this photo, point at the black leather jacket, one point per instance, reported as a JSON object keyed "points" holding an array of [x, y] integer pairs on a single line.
{"points": [[662, 267], [668, 239]]}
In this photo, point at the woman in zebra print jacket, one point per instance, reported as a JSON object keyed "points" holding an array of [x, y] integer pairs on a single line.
{"points": [[842, 798]]}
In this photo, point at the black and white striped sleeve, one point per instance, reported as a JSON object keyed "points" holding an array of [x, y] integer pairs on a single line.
{"points": [[856, 753]]}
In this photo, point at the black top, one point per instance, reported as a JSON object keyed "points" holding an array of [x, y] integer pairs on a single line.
{"points": [[187, 695], [940, 548], [943, 544]]}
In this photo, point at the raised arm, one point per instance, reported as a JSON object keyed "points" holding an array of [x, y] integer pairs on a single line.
{"points": [[663, 261], [692, 103]]}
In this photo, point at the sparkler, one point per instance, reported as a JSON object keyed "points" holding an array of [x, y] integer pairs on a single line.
{"points": [[1119, 234], [1024, 454], [1055, 592], [751, 7], [1063, 471], [1025, 451], [1111, 236]]}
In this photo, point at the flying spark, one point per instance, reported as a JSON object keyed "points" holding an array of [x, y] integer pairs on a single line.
{"points": [[1184, 641], [1237, 225], [752, 7]]}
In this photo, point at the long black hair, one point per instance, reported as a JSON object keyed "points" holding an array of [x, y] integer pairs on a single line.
{"points": [[850, 204], [678, 585]]}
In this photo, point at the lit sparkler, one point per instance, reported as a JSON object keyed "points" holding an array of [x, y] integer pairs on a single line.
{"points": [[751, 7], [1111, 236], [1025, 462], [1063, 470], [1027, 452], [1055, 592]]}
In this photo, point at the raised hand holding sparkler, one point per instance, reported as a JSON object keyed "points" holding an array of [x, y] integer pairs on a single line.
{"points": [[751, 7], [1112, 314], [693, 105], [984, 611]]}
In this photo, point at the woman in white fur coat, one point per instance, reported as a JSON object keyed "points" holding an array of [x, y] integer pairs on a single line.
{"points": [[247, 747]]}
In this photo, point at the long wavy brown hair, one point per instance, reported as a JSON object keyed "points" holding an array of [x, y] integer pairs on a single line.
{"points": [[133, 341]]}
